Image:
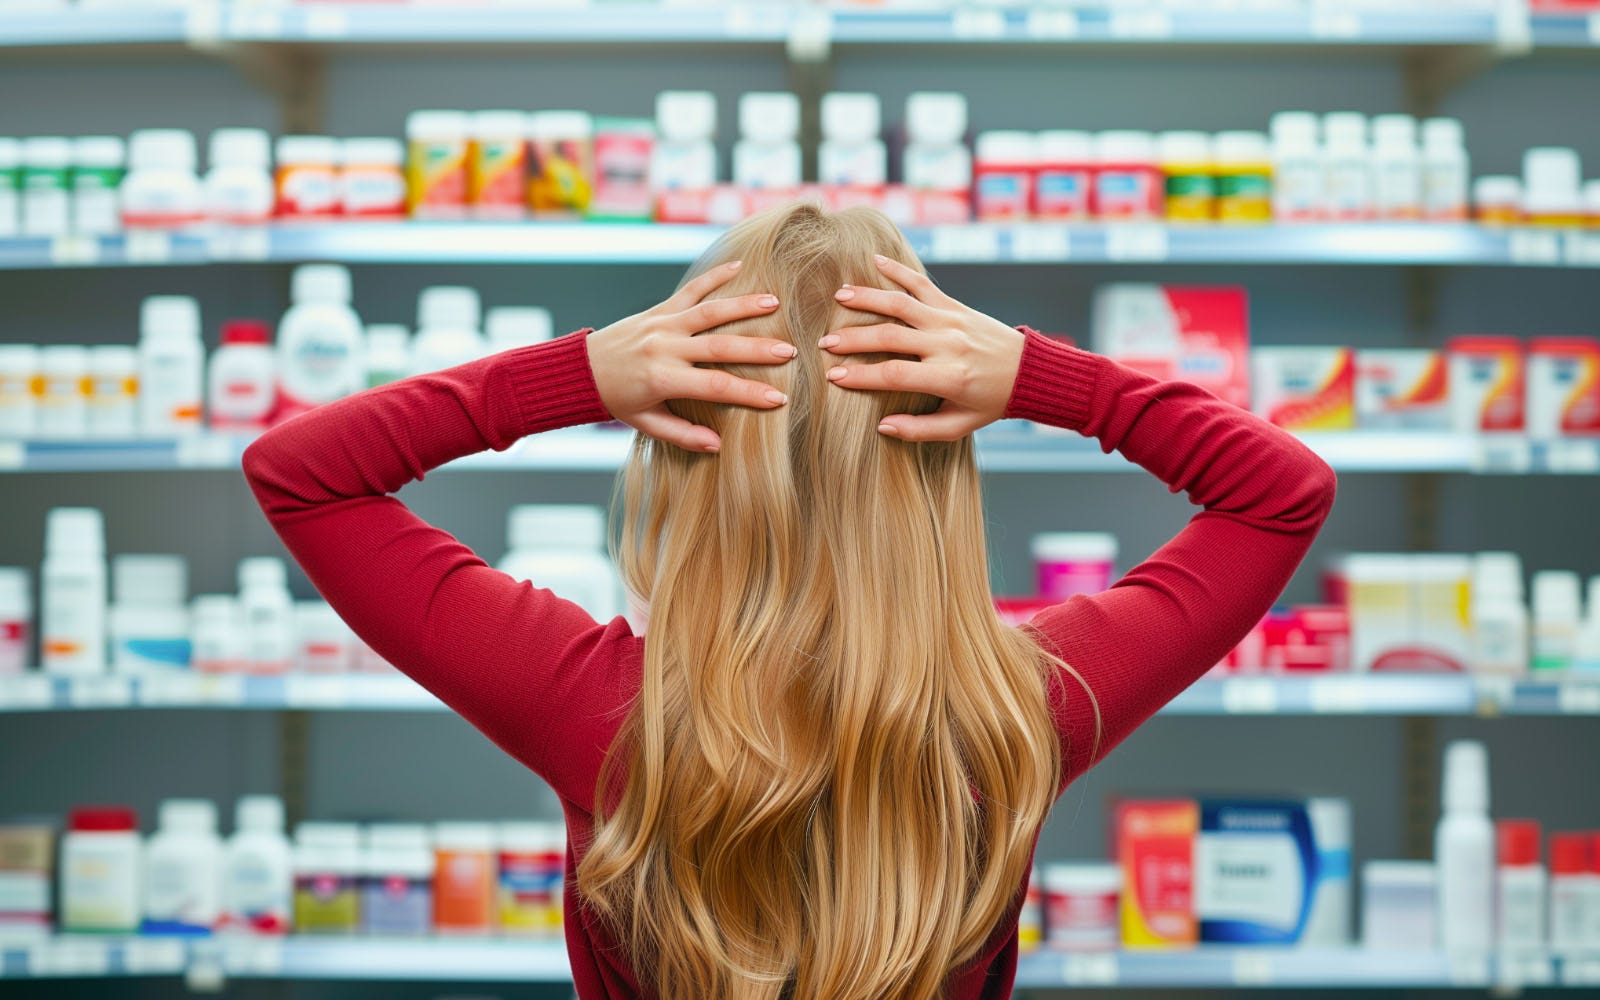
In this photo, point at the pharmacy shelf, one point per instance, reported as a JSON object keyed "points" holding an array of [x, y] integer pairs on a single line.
{"points": [[636, 243], [1566, 31], [1003, 448], [1328, 694]]}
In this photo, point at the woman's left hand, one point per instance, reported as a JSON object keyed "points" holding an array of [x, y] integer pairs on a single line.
{"points": [[641, 362]]}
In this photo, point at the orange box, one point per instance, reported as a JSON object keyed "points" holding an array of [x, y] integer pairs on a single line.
{"points": [[1155, 850]]}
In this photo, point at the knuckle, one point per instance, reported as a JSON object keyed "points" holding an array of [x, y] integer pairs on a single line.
{"points": [[718, 383], [896, 373]]}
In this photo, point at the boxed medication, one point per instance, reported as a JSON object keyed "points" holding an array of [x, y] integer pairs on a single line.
{"points": [[1563, 386], [1196, 334], [1402, 390], [1408, 613], [26, 855], [1155, 850], [1273, 872], [1305, 388], [1487, 391]]}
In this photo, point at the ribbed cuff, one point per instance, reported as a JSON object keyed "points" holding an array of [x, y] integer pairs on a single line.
{"points": [[1055, 383], [550, 385]]}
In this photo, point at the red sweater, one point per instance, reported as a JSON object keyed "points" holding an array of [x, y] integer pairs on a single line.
{"points": [[548, 684]]}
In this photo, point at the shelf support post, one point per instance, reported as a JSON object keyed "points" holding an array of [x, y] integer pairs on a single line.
{"points": [[294, 75]]}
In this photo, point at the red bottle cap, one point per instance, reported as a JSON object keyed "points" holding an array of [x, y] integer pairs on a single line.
{"points": [[103, 819], [1518, 841], [1594, 852], [246, 331], [1569, 853]]}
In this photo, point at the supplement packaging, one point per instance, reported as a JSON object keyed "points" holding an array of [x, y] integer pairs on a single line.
{"points": [[1271, 872], [1409, 613], [1563, 386], [1081, 903], [1197, 334], [27, 855], [1155, 850], [1402, 390], [1305, 388], [560, 163], [1487, 385], [622, 152]]}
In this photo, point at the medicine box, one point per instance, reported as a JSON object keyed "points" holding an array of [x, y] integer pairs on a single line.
{"points": [[1487, 384], [1305, 388], [1563, 386], [1196, 334], [26, 855], [1402, 390], [1273, 872], [1155, 850], [1409, 613]]}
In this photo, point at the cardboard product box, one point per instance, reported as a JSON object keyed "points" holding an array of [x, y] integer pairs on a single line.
{"points": [[1196, 334], [1155, 850], [1409, 613], [1273, 872], [27, 856], [1487, 384], [1402, 390], [1563, 387], [1305, 388]]}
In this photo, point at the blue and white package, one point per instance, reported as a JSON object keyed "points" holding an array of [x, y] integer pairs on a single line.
{"points": [[1273, 872]]}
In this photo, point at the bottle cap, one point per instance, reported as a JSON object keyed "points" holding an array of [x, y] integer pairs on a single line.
{"points": [[687, 115], [19, 359], [240, 147], [1552, 179], [769, 116], [374, 152], [1442, 134], [437, 126], [1497, 190], [1006, 146], [531, 838], [64, 361], [560, 125], [113, 360], [450, 306], [1345, 128], [557, 526], [851, 117], [14, 593], [246, 331], [320, 283], [10, 153], [1394, 131], [1557, 595], [463, 836], [1065, 146], [50, 152], [1517, 842], [1124, 146], [263, 571], [188, 816], [1185, 148], [312, 150], [176, 316], [1466, 777], [518, 326], [397, 836], [342, 836], [1081, 879], [497, 124], [1242, 148], [936, 117], [1075, 546], [74, 531], [259, 813], [102, 819], [1497, 575], [161, 149], [216, 609], [98, 152], [384, 338], [1569, 853], [150, 581], [1294, 126]]}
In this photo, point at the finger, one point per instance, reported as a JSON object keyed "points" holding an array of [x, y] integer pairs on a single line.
{"points": [[891, 338], [941, 425], [702, 285], [912, 280], [713, 386], [900, 376], [731, 349], [664, 425], [884, 302], [716, 312]]}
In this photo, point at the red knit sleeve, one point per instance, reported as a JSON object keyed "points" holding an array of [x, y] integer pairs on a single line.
{"points": [[533, 672], [1171, 618]]}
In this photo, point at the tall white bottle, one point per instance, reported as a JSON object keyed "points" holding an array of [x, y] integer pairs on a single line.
{"points": [[268, 613], [72, 581], [171, 366], [183, 870], [257, 869], [562, 547], [1464, 851], [319, 341], [447, 329]]}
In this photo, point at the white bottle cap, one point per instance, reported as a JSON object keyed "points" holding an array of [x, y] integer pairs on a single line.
{"points": [[188, 816], [1552, 178], [10, 153], [1497, 575], [497, 124], [320, 283], [557, 526], [313, 150], [19, 359], [388, 338], [150, 581], [1075, 546], [531, 838], [267, 572], [936, 117], [341, 836], [1294, 127], [1557, 595], [169, 316], [1345, 132], [398, 836], [1065, 146], [769, 116], [1239, 149], [1466, 777], [259, 814], [14, 593], [1442, 134], [851, 117], [74, 531], [216, 609], [463, 836], [1006, 146], [686, 115], [1497, 190], [1186, 148], [454, 307], [161, 149], [1593, 598], [51, 152], [1080, 879], [1394, 132], [437, 126], [1591, 200], [112, 360], [64, 361], [98, 152], [1398, 874], [371, 152], [560, 125], [518, 326], [1121, 146], [240, 147]]}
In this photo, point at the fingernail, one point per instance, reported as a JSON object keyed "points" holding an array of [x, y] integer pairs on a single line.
{"points": [[784, 350], [830, 340], [835, 374], [713, 448], [774, 396], [734, 265], [880, 258], [767, 301], [845, 294], [887, 428]]}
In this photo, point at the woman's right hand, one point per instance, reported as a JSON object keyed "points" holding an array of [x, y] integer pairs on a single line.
{"points": [[967, 359]]}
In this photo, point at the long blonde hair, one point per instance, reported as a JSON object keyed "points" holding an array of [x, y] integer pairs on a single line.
{"points": [[839, 759]]}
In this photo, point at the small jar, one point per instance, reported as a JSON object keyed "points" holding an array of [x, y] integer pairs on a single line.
{"points": [[1128, 185], [1081, 904], [161, 190], [372, 179], [436, 163], [322, 640], [113, 391], [1244, 177], [19, 390], [218, 642], [97, 169], [497, 164], [63, 405], [101, 856], [1190, 186], [1552, 193], [306, 177], [327, 878], [531, 866], [1074, 562], [239, 185], [1497, 200], [1002, 176], [1065, 175], [397, 881]]}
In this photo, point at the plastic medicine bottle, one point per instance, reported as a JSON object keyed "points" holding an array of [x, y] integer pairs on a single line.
{"points": [[517, 326], [562, 547], [683, 162], [72, 586], [171, 366], [306, 183], [268, 615], [1499, 615], [1557, 613], [97, 172], [1446, 171], [238, 187], [1297, 168], [1464, 850], [388, 353], [1521, 888], [257, 869], [101, 865], [63, 405], [530, 868], [766, 159], [218, 642], [852, 160], [113, 391], [397, 880], [1061, 188], [436, 163], [16, 620], [46, 200], [1002, 175], [1347, 167], [183, 870], [150, 619], [1397, 168], [1128, 183], [1570, 893], [464, 878], [161, 189], [19, 366], [936, 164], [447, 329], [1190, 180], [1552, 181], [327, 878], [497, 164], [242, 384], [372, 179], [1244, 177], [319, 341]]}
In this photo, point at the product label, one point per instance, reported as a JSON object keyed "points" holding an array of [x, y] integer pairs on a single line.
{"points": [[36, 179], [622, 173], [268, 646], [1081, 921], [307, 192], [1190, 196], [1487, 388], [1564, 391], [95, 204], [436, 178], [71, 612], [13, 645], [319, 366], [96, 178], [1244, 196], [373, 192], [1128, 192], [1444, 192], [1002, 194], [463, 890], [560, 177], [1519, 923], [1297, 191], [99, 891], [1155, 848], [170, 401], [530, 892], [1306, 390], [497, 176], [1402, 390], [1252, 869], [1397, 193], [179, 896], [171, 652], [326, 903], [396, 904], [1349, 191], [1061, 193], [259, 895]]}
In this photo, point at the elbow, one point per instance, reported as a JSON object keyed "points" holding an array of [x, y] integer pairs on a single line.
{"points": [[265, 466], [1323, 488]]}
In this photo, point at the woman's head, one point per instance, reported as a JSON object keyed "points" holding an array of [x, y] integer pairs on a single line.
{"points": [[839, 758]]}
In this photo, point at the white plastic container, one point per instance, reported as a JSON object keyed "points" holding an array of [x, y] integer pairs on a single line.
{"points": [[322, 640], [63, 406], [113, 391], [1004, 163], [1297, 169], [1081, 906], [98, 163], [218, 636], [161, 190], [1446, 171], [72, 586], [1497, 200], [267, 613], [101, 864], [242, 384], [327, 878], [684, 158], [1464, 850], [46, 195], [388, 353], [319, 341], [171, 366], [183, 870], [936, 164], [150, 619], [397, 872], [1552, 182], [561, 547], [447, 329], [1068, 563], [372, 179], [1400, 906], [1347, 167], [1499, 615], [1521, 889], [1557, 613], [1574, 894], [16, 620], [1397, 168], [852, 154], [10, 186], [238, 187], [19, 364], [307, 186], [257, 869], [517, 326], [767, 157]]}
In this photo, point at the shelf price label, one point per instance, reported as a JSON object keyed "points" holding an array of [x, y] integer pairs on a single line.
{"points": [[185, 688], [143, 956], [1338, 696], [1090, 969], [252, 956], [324, 23], [1040, 243], [147, 246], [301, 691], [1255, 696], [1579, 698], [1502, 454], [1583, 249], [1050, 24], [1572, 455], [977, 24], [1251, 968], [1140, 24], [239, 242], [70, 956], [29, 691], [12, 455], [1534, 247], [109, 691], [1136, 242], [1342, 25], [972, 243], [74, 250]]}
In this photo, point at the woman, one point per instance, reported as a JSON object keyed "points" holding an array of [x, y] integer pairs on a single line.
{"points": [[822, 771]]}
